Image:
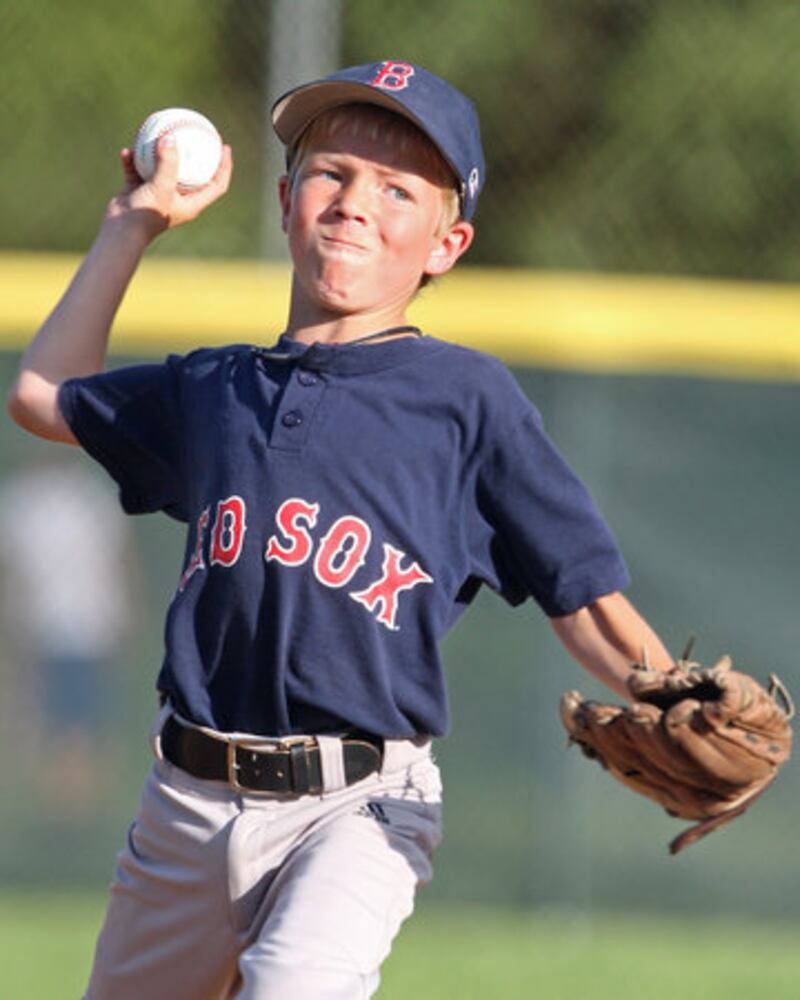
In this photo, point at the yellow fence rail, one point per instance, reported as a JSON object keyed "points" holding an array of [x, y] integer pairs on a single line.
{"points": [[596, 323]]}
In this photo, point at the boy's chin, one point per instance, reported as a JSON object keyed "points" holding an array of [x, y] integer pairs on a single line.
{"points": [[353, 299]]}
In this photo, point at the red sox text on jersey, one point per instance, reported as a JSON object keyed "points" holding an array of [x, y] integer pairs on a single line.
{"points": [[339, 555]]}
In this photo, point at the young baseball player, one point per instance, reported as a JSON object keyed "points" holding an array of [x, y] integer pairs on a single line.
{"points": [[346, 492]]}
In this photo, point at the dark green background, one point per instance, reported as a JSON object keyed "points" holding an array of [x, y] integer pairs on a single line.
{"points": [[700, 482]]}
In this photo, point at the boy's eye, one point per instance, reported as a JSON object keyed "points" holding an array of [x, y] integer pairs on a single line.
{"points": [[326, 173], [399, 193]]}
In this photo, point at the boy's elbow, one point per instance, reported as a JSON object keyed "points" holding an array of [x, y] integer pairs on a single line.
{"points": [[32, 404], [18, 403]]}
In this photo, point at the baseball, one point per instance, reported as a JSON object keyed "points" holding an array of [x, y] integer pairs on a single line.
{"points": [[198, 143]]}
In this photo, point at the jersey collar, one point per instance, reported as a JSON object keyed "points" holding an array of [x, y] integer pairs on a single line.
{"points": [[346, 359]]}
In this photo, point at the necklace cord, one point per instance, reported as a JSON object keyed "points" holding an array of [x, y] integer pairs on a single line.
{"points": [[391, 331]]}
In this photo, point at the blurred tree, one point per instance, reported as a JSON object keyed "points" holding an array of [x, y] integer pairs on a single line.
{"points": [[621, 135], [77, 83], [624, 135], [693, 163]]}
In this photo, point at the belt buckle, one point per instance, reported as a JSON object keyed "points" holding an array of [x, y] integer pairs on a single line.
{"points": [[284, 744]]}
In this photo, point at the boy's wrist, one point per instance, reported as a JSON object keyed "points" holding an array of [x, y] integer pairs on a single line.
{"points": [[140, 226]]}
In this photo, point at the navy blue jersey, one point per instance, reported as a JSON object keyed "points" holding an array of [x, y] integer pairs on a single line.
{"points": [[344, 505]]}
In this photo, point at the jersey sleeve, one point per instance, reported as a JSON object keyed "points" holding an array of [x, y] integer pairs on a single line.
{"points": [[129, 420], [543, 534]]}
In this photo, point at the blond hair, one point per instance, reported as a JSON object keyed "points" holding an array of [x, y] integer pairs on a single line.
{"points": [[375, 121]]}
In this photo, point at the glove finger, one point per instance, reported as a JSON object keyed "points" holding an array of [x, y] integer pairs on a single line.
{"points": [[725, 763], [638, 753], [744, 699], [596, 728], [655, 747], [681, 774], [576, 712], [738, 739], [739, 694]]}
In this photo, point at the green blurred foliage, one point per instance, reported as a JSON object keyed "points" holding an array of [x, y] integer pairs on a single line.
{"points": [[622, 135], [80, 78], [626, 135]]}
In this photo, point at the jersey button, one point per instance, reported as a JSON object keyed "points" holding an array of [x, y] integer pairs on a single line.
{"points": [[306, 378], [292, 419]]}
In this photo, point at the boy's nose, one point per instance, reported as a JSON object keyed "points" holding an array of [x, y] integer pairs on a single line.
{"points": [[352, 202]]}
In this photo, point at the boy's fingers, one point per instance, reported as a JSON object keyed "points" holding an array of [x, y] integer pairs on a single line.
{"points": [[163, 194], [195, 201], [166, 162], [222, 177], [132, 178], [219, 182]]}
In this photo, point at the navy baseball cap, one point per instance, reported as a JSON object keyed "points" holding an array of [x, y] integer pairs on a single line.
{"points": [[444, 114]]}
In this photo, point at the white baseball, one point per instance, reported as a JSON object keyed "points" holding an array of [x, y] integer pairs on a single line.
{"points": [[198, 143]]}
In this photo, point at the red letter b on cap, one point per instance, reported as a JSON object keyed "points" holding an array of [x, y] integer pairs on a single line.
{"points": [[393, 75]]}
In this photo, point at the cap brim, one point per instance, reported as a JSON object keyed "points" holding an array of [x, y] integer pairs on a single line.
{"points": [[294, 112], [297, 109]]}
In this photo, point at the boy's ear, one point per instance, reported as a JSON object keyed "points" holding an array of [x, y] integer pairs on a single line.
{"points": [[450, 247], [285, 198]]}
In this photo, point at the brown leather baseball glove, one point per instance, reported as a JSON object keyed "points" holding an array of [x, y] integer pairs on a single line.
{"points": [[702, 742]]}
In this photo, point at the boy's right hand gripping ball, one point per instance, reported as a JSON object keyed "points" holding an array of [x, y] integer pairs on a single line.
{"points": [[197, 141], [703, 743]]}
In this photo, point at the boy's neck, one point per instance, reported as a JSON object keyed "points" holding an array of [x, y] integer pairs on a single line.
{"points": [[311, 321]]}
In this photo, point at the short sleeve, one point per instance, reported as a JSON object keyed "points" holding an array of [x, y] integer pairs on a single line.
{"points": [[129, 420], [546, 537]]}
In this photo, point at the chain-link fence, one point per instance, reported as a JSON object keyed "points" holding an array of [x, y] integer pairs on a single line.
{"points": [[631, 135]]}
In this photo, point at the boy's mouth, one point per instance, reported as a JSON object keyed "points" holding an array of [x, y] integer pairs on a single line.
{"points": [[343, 247]]}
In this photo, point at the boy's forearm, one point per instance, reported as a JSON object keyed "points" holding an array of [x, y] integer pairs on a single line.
{"points": [[73, 340], [607, 636]]}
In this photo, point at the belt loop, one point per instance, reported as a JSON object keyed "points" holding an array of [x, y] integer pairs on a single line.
{"points": [[331, 760], [155, 730], [398, 754]]}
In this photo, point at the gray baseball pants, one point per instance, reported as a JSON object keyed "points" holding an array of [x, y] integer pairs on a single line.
{"points": [[219, 894]]}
